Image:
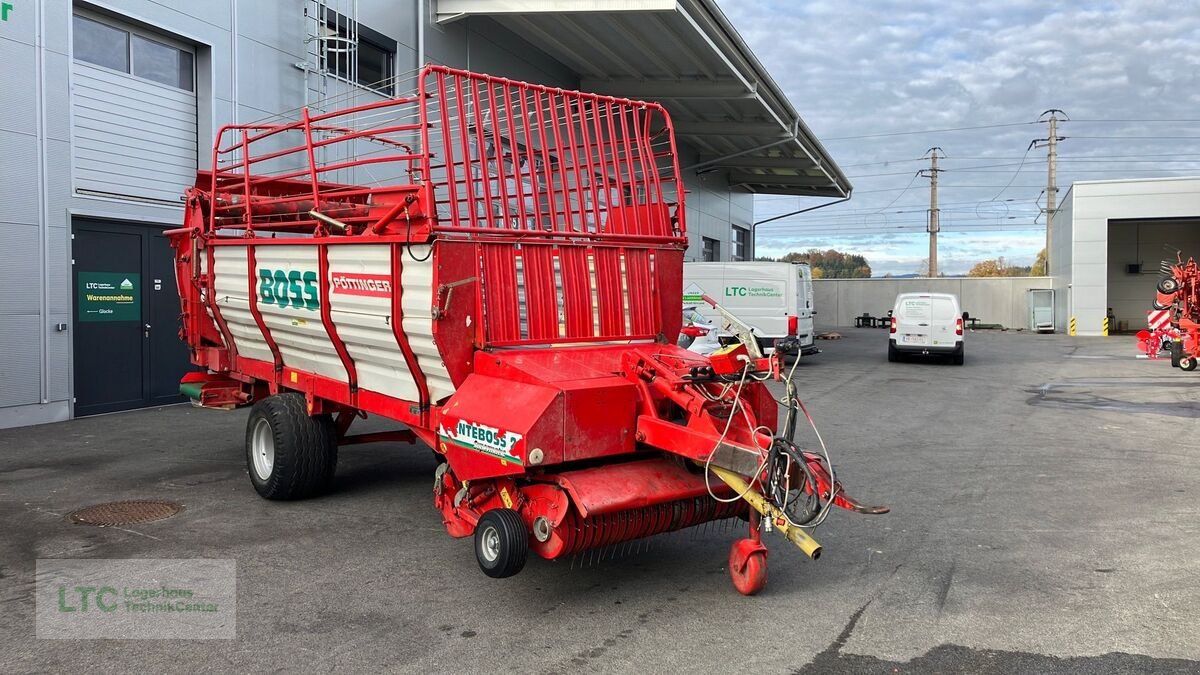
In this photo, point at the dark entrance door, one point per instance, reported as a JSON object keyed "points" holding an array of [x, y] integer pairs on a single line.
{"points": [[126, 319]]}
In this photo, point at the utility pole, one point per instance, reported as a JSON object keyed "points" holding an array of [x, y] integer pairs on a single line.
{"points": [[933, 227], [1051, 141]]}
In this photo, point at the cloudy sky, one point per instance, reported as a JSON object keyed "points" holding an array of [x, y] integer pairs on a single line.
{"points": [[1127, 74]]}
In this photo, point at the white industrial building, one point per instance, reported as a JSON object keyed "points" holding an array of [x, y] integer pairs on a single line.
{"points": [[1106, 242], [110, 107]]}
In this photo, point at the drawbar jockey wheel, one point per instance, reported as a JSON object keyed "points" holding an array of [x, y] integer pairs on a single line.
{"points": [[501, 543]]}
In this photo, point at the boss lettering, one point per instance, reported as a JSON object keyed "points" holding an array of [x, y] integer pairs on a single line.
{"points": [[294, 288]]}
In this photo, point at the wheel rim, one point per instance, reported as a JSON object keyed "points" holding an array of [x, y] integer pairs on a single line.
{"points": [[262, 449], [489, 544]]}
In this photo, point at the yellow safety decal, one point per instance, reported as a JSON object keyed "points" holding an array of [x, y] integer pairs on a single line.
{"points": [[504, 497]]}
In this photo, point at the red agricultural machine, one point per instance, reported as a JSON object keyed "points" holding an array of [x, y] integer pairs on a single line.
{"points": [[1178, 295], [497, 266]]}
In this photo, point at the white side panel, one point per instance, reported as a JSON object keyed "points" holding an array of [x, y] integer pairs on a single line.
{"points": [[360, 303], [232, 290], [290, 307], [417, 305]]}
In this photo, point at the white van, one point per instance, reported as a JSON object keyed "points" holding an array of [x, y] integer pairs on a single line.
{"points": [[927, 323], [774, 298]]}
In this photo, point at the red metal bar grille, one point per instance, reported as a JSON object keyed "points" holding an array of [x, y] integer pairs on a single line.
{"points": [[515, 158], [537, 293]]}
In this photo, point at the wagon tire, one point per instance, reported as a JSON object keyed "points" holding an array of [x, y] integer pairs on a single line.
{"points": [[289, 453], [1187, 363], [1176, 353], [501, 543]]}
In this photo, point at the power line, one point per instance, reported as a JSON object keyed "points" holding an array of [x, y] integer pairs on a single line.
{"points": [[929, 131]]}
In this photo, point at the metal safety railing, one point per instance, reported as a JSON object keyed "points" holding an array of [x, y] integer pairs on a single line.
{"points": [[498, 157]]}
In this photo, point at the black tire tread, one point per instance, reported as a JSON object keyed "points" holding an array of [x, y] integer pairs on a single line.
{"points": [[514, 537], [305, 448]]}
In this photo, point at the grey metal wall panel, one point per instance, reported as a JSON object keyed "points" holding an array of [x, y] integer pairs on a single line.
{"points": [[58, 96], [274, 24], [20, 266], [18, 74], [18, 178], [58, 346], [132, 137], [58, 272], [20, 360]]}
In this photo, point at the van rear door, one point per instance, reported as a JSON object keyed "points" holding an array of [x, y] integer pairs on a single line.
{"points": [[945, 315], [913, 317]]}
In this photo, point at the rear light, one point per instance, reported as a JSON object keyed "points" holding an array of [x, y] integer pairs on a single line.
{"points": [[893, 328], [958, 326], [793, 324]]}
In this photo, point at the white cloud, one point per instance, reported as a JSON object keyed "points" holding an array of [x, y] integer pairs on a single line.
{"points": [[883, 66]]}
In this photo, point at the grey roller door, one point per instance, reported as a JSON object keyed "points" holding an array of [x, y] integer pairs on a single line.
{"points": [[132, 136]]}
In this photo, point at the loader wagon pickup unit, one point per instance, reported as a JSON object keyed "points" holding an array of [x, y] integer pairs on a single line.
{"points": [[497, 266]]}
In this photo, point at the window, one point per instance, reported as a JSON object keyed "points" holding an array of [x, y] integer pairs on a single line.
{"points": [[741, 243], [712, 250], [358, 54], [126, 51]]}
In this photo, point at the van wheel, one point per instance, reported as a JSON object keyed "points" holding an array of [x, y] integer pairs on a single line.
{"points": [[893, 355], [957, 358]]}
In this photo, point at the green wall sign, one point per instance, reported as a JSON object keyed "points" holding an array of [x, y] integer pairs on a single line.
{"points": [[109, 296], [5, 8]]}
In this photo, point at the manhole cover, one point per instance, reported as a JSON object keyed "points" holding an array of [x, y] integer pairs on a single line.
{"points": [[124, 513]]}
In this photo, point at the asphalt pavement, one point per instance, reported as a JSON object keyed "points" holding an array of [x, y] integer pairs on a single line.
{"points": [[1044, 519]]}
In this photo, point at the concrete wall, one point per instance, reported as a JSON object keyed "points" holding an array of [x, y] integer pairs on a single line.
{"points": [[1144, 242], [246, 56], [1092, 205], [1001, 300]]}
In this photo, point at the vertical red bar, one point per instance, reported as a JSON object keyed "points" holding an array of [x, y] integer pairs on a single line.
{"points": [[519, 181], [246, 182], [501, 306], [481, 152], [498, 149], [447, 150], [635, 217], [650, 223], [573, 153], [640, 285], [312, 161], [649, 141], [563, 156], [604, 176], [622, 185], [546, 171], [423, 118], [541, 297], [612, 296], [586, 147], [531, 164], [577, 291], [464, 138]]}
